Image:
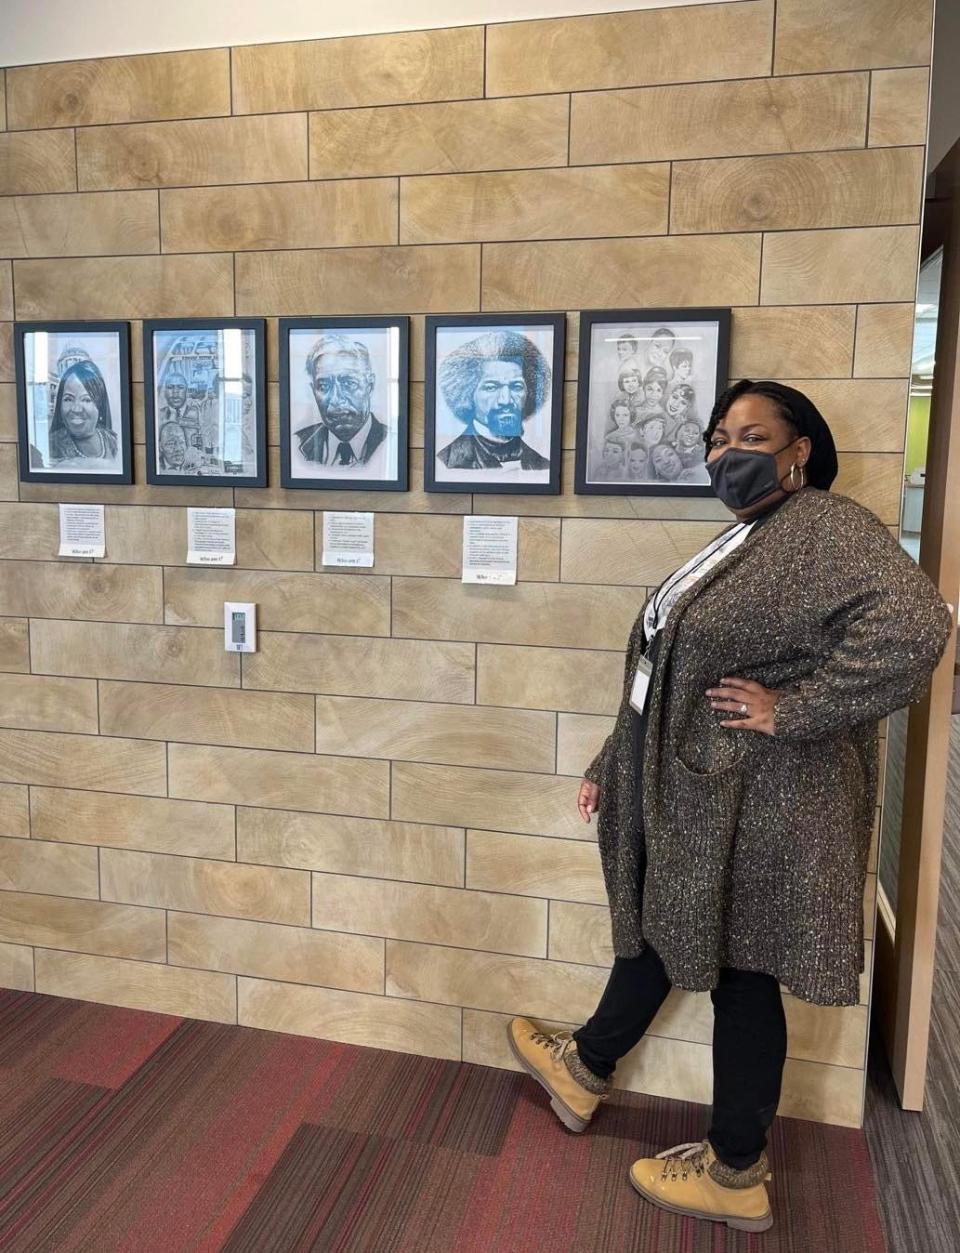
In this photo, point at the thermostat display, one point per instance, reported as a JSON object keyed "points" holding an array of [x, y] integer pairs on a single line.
{"points": [[239, 627]]}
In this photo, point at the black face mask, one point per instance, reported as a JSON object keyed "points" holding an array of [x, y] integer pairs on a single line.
{"points": [[741, 477]]}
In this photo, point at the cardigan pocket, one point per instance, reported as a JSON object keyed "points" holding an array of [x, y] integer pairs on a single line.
{"points": [[706, 808]]}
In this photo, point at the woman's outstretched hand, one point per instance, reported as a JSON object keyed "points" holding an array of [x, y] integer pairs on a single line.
{"points": [[760, 701], [588, 798]]}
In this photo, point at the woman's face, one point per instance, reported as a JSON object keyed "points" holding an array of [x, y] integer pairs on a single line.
{"points": [[630, 383], [80, 413], [753, 423], [621, 417]]}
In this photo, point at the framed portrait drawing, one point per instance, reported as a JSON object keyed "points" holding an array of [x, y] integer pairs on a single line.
{"points": [[73, 402], [648, 381], [343, 403], [494, 390], [205, 402]]}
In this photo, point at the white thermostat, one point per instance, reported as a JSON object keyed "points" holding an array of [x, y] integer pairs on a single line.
{"points": [[239, 627]]}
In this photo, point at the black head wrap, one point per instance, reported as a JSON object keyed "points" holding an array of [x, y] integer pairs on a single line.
{"points": [[801, 413]]}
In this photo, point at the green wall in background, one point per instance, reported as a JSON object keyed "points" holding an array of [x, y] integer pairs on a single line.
{"points": [[918, 425]]}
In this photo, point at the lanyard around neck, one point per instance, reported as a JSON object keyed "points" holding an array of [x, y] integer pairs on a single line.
{"points": [[672, 580]]}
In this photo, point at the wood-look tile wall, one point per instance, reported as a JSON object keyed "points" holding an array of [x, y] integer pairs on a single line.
{"points": [[365, 830]]}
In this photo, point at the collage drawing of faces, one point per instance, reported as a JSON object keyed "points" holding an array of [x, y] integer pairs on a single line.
{"points": [[73, 401], [492, 404], [344, 402], [652, 386], [205, 418]]}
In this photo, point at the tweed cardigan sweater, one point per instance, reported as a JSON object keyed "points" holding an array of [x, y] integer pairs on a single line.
{"points": [[756, 845]]}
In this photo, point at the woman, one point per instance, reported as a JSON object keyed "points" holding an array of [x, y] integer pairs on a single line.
{"points": [[734, 860], [81, 427]]}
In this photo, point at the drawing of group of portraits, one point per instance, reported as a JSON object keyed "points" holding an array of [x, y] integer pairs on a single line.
{"points": [[647, 386], [492, 407]]}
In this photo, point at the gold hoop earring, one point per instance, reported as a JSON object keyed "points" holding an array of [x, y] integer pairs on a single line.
{"points": [[793, 482]]}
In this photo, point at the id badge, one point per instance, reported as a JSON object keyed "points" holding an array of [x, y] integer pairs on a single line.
{"points": [[641, 682]]}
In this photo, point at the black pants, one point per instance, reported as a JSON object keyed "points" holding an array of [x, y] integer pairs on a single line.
{"points": [[749, 1045]]}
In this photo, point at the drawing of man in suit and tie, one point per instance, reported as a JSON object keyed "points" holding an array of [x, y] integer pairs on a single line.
{"points": [[342, 382]]}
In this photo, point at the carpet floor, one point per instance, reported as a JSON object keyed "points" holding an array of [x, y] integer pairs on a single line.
{"points": [[126, 1130]]}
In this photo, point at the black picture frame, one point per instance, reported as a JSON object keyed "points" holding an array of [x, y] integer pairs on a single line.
{"points": [[29, 454], [187, 328], [295, 478], [481, 322], [711, 378]]}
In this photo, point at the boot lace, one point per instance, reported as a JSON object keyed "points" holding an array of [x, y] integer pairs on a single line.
{"points": [[682, 1158], [557, 1043]]}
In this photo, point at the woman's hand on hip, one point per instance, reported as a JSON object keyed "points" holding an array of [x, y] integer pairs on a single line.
{"points": [[750, 701], [588, 798]]}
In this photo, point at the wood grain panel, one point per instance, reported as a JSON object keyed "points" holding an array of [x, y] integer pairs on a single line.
{"points": [[112, 650], [535, 204], [340, 665], [6, 291], [432, 547], [712, 269], [814, 35], [9, 472], [526, 614], [202, 994], [119, 89], [57, 869], [208, 887], [626, 49], [533, 866], [266, 539], [280, 215], [40, 703], [801, 341], [246, 776], [79, 225], [41, 161], [356, 846], [14, 810], [207, 715], [6, 345], [875, 480], [293, 954], [865, 415], [569, 679], [884, 340], [28, 532], [325, 603], [125, 287], [401, 68], [178, 154], [518, 985], [359, 280], [580, 933], [898, 106], [143, 823], [643, 553], [46, 589], [456, 735], [497, 800], [525, 133], [16, 967], [100, 764], [579, 738], [824, 267], [14, 644], [382, 1022], [87, 926], [873, 187], [719, 119], [431, 915]]}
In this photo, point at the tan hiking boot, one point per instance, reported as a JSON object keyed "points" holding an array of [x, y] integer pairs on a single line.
{"points": [[552, 1059], [691, 1180]]}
